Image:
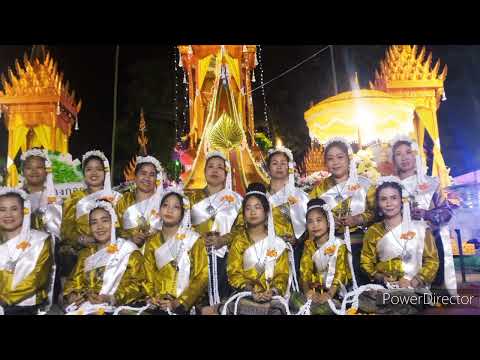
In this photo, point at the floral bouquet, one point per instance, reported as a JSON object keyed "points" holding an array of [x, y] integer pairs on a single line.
{"points": [[366, 165], [307, 183]]}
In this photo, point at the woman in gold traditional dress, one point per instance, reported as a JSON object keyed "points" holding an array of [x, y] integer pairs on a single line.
{"points": [[257, 264], [214, 211], [398, 252], [25, 256], [109, 272], [324, 269], [351, 198], [138, 209], [75, 230], [176, 262]]}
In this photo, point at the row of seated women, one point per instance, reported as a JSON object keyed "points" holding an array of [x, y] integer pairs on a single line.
{"points": [[162, 251]]}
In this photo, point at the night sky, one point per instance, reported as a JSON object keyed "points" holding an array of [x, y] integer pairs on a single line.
{"points": [[146, 79]]}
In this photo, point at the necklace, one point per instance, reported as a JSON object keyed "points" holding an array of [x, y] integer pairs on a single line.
{"points": [[285, 208], [174, 254], [11, 263], [211, 210], [405, 255], [339, 197], [260, 265]]}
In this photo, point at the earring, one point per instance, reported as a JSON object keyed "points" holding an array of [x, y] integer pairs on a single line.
{"points": [[380, 213]]}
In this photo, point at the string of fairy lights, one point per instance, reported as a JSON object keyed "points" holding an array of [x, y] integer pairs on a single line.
{"points": [[175, 95], [185, 96], [259, 62]]}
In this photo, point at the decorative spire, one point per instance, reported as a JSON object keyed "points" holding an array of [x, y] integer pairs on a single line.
{"points": [[142, 140], [402, 63], [38, 76]]}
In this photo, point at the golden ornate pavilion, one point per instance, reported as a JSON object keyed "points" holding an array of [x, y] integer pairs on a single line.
{"points": [[39, 108], [221, 110], [403, 99]]}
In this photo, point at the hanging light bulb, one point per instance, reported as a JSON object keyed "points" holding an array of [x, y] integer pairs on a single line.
{"points": [[253, 76], [184, 78], [76, 124], [58, 108]]}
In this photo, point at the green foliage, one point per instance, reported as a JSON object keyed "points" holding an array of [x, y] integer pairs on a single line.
{"points": [[65, 173], [263, 141]]}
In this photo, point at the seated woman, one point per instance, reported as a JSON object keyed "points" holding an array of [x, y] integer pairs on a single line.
{"points": [[75, 229], [25, 256], [397, 251], [214, 210], [138, 209], [351, 198], [324, 271], [176, 262], [108, 272], [258, 260]]}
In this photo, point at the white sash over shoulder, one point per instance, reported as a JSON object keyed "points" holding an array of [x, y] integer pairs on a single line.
{"points": [[423, 195], [410, 251], [116, 267], [145, 210], [297, 200], [348, 189], [20, 256], [225, 206], [264, 254], [326, 262], [177, 250], [51, 213]]}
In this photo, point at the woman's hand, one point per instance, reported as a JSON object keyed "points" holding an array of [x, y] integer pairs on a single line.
{"points": [[262, 296], [168, 303], [290, 239], [351, 221], [99, 299], [139, 239], [418, 214], [212, 239], [322, 298], [404, 283], [384, 278], [85, 240], [416, 283], [75, 298]]}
